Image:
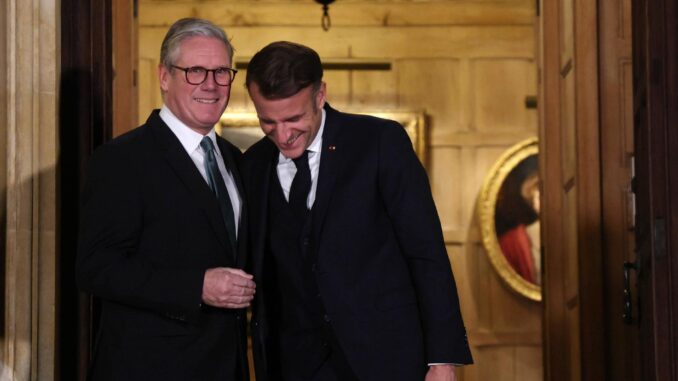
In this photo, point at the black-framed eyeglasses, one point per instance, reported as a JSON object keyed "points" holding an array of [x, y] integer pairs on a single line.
{"points": [[196, 75]]}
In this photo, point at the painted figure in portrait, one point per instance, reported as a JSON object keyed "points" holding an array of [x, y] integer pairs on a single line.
{"points": [[517, 219]]}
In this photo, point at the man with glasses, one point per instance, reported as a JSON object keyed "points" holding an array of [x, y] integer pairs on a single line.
{"points": [[354, 282], [163, 226]]}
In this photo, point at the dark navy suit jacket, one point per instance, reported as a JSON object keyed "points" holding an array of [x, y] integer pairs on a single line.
{"points": [[382, 268], [150, 227]]}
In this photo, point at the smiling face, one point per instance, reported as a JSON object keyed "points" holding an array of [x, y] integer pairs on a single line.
{"points": [[293, 122], [198, 106]]}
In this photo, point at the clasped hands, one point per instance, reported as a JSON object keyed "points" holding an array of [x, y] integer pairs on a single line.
{"points": [[225, 287]]}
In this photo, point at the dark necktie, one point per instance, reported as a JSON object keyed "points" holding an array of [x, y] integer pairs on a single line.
{"points": [[301, 185], [216, 182]]}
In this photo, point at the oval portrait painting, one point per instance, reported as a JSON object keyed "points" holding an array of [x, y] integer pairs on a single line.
{"points": [[508, 210]]}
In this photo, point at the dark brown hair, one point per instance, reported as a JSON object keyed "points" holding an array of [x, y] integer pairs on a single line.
{"points": [[282, 69], [512, 208]]}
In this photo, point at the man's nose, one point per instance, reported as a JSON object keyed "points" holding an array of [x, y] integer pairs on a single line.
{"points": [[209, 83], [283, 133]]}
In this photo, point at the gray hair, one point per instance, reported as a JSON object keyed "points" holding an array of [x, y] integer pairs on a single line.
{"points": [[189, 27]]}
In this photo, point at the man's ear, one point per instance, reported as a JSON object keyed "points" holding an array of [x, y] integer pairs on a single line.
{"points": [[163, 76], [320, 95]]}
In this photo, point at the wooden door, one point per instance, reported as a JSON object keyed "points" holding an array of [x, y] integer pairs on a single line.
{"points": [[125, 43], [626, 108], [616, 135], [655, 80], [569, 164]]}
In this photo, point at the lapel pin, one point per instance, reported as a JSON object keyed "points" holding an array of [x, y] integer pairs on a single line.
{"points": [[332, 148]]}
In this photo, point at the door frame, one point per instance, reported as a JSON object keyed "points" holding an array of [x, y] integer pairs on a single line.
{"points": [[85, 120]]}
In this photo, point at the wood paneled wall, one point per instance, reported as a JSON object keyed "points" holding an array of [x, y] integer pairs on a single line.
{"points": [[468, 64]]}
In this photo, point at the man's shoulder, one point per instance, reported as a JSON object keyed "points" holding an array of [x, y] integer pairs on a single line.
{"points": [[366, 122], [128, 145], [229, 146], [263, 148], [130, 137], [372, 130], [127, 141]]}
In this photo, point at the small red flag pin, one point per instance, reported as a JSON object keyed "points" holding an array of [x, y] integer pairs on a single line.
{"points": [[332, 148]]}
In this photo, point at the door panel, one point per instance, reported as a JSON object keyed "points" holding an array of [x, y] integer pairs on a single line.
{"points": [[125, 60], [616, 133], [655, 74], [570, 140]]}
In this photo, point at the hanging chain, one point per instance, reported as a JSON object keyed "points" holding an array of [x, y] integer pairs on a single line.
{"points": [[325, 21]]}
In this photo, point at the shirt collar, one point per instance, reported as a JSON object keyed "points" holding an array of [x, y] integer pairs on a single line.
{"points": [[189, 139], [316, 144]]}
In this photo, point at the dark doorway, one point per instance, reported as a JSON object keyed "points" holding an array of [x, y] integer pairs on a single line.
{"points": [[84, 123], [655, 80]]}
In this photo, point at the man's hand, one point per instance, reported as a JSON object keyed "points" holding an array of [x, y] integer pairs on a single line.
{"points": [[225, 287], [441, 373]]}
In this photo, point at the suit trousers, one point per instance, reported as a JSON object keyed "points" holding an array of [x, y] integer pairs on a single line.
{"points": [[335, 368]]}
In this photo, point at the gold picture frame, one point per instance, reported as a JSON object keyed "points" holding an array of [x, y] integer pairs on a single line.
{"points": [[241, 127], [488, 210]]}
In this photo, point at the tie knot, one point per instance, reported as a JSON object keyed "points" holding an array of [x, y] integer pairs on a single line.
{"points": [[301, 160], [206, 144]]}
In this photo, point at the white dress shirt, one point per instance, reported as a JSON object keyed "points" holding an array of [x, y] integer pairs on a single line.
{"points": [[190, 140], [287, 169]]}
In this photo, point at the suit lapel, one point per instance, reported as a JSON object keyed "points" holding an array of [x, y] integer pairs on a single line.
{"points": [[231, 164], [185, 169], [331, 164], [258, 189]]}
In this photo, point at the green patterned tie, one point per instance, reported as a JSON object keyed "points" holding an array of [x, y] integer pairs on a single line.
{"points": [[216, 183]]}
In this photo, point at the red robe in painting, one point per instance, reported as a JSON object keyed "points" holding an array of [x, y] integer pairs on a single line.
{"points": [[516, 246]]}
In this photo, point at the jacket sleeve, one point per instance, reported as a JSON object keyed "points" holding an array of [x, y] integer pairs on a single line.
{"points": [[405, 189]]}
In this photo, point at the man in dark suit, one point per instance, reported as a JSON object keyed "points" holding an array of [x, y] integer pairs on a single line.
{"points": [[162, 224], [354, 282]]}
